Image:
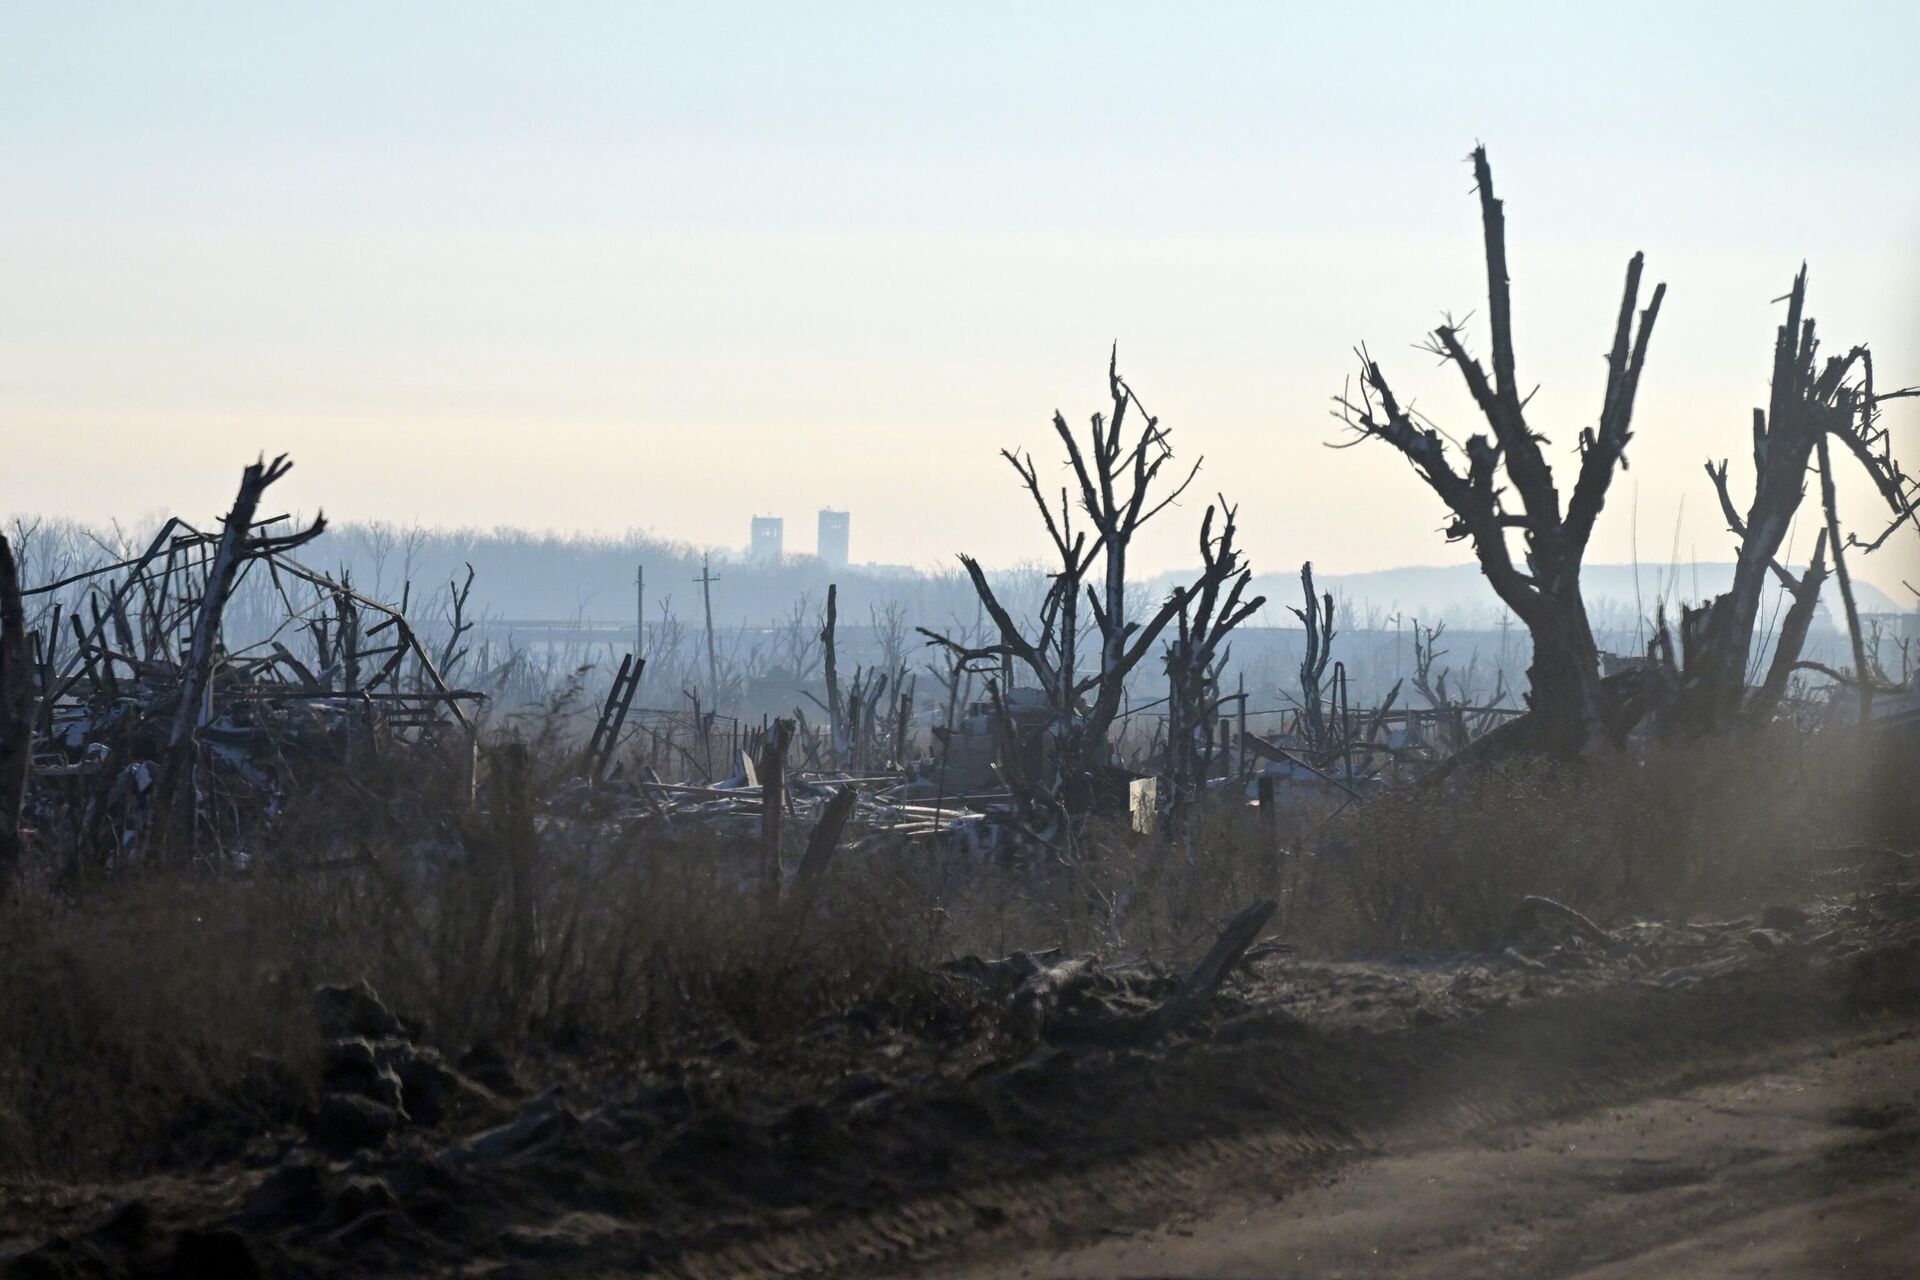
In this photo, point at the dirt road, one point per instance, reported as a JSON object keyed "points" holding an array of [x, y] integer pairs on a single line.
{"points": [[1811, 1169]]}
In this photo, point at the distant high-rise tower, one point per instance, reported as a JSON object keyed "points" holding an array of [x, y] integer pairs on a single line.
{"points": [[832, 547], [769, 538]]}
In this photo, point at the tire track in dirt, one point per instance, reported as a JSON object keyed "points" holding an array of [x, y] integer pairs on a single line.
{"points": [[1362, 1094], [1807, 1169]]}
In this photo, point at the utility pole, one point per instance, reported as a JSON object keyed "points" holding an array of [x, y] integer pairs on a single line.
{"points": [[706, 581], [640, 612]]}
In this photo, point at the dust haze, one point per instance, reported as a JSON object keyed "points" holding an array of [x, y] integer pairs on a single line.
{"points": [[1049, 643]]}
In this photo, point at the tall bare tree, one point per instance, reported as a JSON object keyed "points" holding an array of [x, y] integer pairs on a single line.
{"points": [[1117, 490], [1812, 402], [1542, 586]]}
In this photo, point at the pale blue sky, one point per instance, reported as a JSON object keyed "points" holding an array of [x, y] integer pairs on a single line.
{"points": [[595, 266]]}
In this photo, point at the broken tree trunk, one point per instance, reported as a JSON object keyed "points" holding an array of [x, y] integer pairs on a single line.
{"points": [[516, 841], [1809, 402], [16, 719], [176, 811], [825, 837], [1863, 671], [1534, 905], [1188, 1000], [830, 661], [773, 802], [902, 723], [1317, 618], [1793, 634]]}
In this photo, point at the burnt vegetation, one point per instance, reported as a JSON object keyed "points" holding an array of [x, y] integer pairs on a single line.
{"points": [[293, 868]]}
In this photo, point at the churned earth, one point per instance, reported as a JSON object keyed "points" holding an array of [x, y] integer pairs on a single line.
{"points": [[1725, 1097]]}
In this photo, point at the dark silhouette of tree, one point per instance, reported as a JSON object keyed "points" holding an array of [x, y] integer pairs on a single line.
{"points": [[1501, 483], [1117, 489], [1198, 652], [1811, 403]]}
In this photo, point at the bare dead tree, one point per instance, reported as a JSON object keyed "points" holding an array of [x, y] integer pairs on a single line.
{"points": [[1811, 403], [1116, 475], [1452, 705], [1426, 652], [890, 632], [458, 624], [1317, 617], [865, 734], [174, 817], [955, 680], [1543, 587], [797, 643], [1199, 651]]}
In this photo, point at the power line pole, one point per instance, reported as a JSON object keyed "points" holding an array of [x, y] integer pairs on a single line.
{"points": [[706, 581], [640, 612]]}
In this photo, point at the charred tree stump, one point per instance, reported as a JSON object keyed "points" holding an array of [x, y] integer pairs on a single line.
{"points": [[773, 802], [515, 842], [16, 719], [825, 838], [830, 661]]}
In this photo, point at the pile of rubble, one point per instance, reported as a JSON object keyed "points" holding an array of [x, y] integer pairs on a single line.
{"points": [[884, 808], [155, 714]]}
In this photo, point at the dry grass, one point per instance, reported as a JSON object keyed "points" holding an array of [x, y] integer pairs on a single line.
{"points": [[1683, 830], [132, 1013]]}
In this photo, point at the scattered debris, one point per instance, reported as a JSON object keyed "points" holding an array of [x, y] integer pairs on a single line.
{"points": [[151, 734]]}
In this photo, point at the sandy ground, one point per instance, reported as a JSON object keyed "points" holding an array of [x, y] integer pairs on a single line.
{"points": [[1809, 1170]]}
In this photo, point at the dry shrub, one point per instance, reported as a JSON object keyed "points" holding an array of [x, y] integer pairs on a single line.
{"points": [[1127, 895], [116, 1016], [1688, 827]]}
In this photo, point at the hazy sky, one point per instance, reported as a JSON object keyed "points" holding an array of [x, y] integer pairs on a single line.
{"points": [[602, 266]]}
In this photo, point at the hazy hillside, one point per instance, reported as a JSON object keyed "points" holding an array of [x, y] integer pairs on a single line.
{"points": [[525, 575], [1616, 593]]}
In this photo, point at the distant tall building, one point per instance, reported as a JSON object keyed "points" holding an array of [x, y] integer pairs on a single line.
{"points": [[833, 543], [768, 540]]}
